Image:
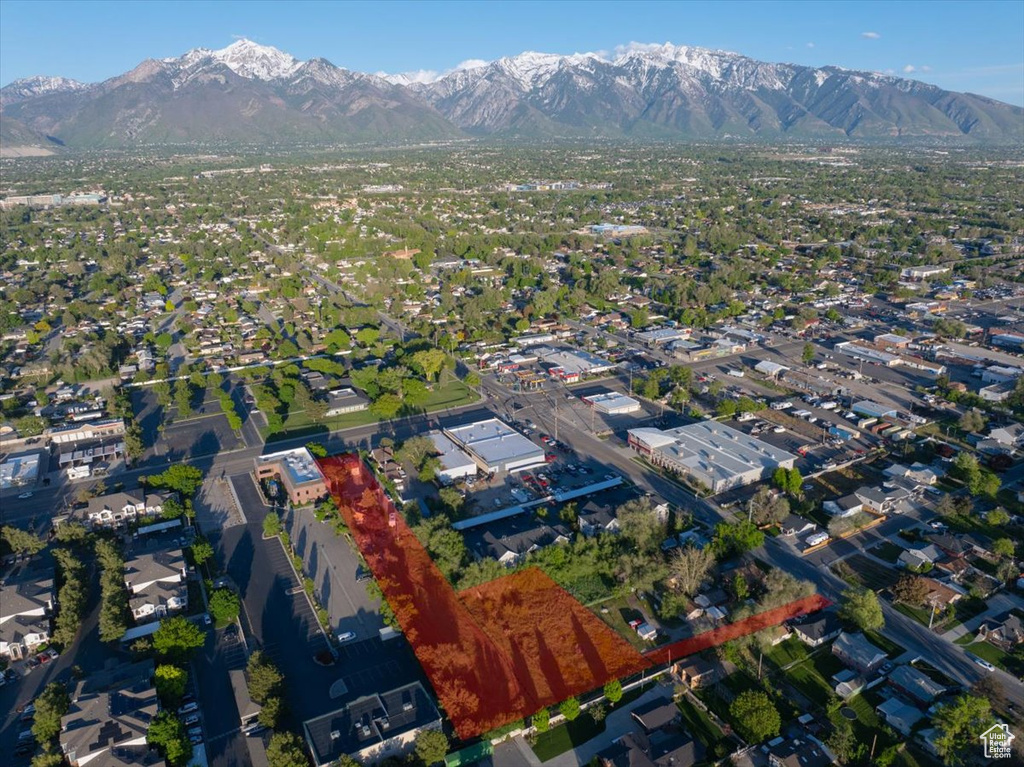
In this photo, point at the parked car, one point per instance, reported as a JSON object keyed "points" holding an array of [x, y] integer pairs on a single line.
{"points": [[188, 708], [346, 636], [981, 662], [191, 719]]}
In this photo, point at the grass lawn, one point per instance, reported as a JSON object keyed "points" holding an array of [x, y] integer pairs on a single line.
{"points": [[933, 673], [618, 617], [888, 551], [997, 657], [566, 737], [892, 649], [809, 680], [969, 608], [452, 394], [699, 724], [790, 651]]}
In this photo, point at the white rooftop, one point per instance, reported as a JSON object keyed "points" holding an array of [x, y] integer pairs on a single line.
{"points": [[494, 441], [450, 455], [299, 463]]}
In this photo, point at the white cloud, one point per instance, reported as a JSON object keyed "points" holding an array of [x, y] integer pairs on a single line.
{"points": [[469, 64], [926, 68], [432, 75], [870, 35], [810, 45], [909, 68]]}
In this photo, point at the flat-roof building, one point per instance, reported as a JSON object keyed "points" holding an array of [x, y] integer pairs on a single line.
{"points": [[456, 464], [571, 365], [298, 473], [612, 403], [712, 453], [373, 727], [495, 446]]}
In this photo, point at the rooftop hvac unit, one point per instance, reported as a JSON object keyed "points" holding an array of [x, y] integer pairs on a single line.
{"points": [[335, 734], [407, 706]]}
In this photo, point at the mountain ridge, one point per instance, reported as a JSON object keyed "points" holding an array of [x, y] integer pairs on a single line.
{"points": [[257, 93]]}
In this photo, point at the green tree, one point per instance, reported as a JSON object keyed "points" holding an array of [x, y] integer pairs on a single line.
{"points": [[431, 362], [224, 606], [910, 590], [171, 682], [733, 539], [766, 507], [972, 421], [862, 608], [271, 525], [202, 552], [265, 681], [316, 449], [1004, 547], [639, 525], [48, 759], [180, 477], [271, 712], [167, 733], [807, 355], [998, 517], [21, 541], [542, 720], [177, 639], [51, 705], [613, 691], [570, 708], [29, 426], [755, 716], [285, 750], [431, 747], [959, 724], [386, 406]]}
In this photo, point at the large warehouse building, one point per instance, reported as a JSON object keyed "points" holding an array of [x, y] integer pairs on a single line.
{"points": [[711, 453], [496, 447]]}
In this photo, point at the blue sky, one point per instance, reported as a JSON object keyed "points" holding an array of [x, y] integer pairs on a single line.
{"points": [[963, 46]]}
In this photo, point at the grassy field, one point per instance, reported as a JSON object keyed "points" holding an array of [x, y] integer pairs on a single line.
{"points": [[790, 651], [618, 616], [566, 736]]}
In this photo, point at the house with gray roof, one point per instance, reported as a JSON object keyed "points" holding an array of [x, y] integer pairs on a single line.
{"points": [[109, 717], [857, 652], [899, 715], [915, 684], [117, 509], [26, 605], [156, 584]]}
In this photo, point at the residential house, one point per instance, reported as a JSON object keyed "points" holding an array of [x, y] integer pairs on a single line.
{"points": [[116, 509], [920, 557], [818, 629], [597, 517], [697, 672], [800, 752], [108, 720], [848, 683], [346, 400], [26, 604], [883, 500], [940, 595], [899, 715], [156, 584], [845, 506], [655, 742], [796, 525], [1005, 631], [510, 540], [915, 684], [855, 651], [1010, 436]]}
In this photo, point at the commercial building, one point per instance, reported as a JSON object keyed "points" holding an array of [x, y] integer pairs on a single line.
{"points": [[612, 403], [298, 473], [871, 409], [87, 431], [19, 470], [373, 727], [711, 453], [660, 336], [495, 446], [570, 365], [456, 464]]}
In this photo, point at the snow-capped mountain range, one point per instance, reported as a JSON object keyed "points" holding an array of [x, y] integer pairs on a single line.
{"points": [[259, 94]]}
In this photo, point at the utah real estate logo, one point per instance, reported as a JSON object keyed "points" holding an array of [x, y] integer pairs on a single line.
{"points": [[997, 739]]}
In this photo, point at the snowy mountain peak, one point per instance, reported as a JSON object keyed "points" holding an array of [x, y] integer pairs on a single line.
{"points": [[255, 61], [40, 84]]}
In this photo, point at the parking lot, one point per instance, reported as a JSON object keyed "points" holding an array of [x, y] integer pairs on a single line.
{"points": [[332, 564], [374, 665]]}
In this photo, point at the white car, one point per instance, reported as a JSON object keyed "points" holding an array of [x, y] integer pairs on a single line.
{"points": [[25, 495], [346, 636], [981, 662]]}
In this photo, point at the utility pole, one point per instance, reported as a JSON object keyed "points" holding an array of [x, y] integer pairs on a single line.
{"points": [[556, 418], [760, 659], [874, 741]]}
